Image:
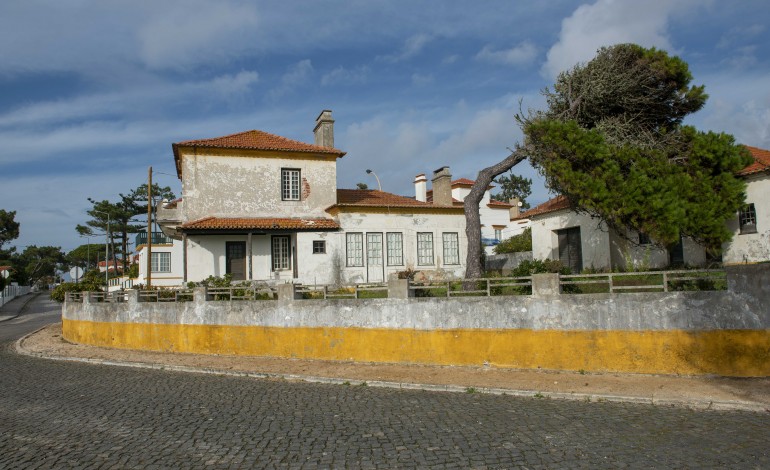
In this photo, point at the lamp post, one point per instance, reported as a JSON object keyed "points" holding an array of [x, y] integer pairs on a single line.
{"points": [[88, 251], [106, 252], [370, 172]]}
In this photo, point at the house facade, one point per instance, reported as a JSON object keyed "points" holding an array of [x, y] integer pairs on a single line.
{"points": [[581, 241], [258, 206]]}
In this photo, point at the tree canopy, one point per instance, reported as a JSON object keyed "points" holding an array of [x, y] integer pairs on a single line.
{"points": [[611, 140], [9, 228], [513, 186]]}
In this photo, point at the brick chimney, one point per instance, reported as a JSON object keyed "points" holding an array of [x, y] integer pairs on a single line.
{"points": [[420, 187], [324, 129], [442, 187]]}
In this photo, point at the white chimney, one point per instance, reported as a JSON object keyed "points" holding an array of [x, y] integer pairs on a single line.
{"points": [[516, 209], [324, 129], [421, 187]]}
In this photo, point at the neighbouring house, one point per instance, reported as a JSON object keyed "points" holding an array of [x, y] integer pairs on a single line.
{"points": [[495, 216], [111, 266], [581, 241], [166, 263], [258, 206], [751, 226]]}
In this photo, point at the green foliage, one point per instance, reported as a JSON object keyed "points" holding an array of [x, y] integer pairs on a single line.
{"points": [[513, 186], [92, 282], [213, 281], [133, 271], [362, 186], [612, 142], [538, 266], [85, 255], [38, 263], [9, 228], [516, 244]]}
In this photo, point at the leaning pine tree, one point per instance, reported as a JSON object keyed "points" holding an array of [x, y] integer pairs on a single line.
{"points": [[611, 140]]}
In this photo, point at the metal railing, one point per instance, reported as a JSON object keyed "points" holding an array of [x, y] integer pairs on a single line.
{"points": [[158, 238], [647, 281], [353, 291], [480, 287]]}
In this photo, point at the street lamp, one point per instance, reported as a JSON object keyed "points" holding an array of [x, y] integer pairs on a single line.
{"points": [[106, 252], [370, 172]]}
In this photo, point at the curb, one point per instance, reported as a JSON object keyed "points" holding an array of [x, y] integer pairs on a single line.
{"points": [[703, 405], [32, 296]]}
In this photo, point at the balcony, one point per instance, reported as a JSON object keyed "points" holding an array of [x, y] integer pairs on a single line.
{"points": [[158, 238]]}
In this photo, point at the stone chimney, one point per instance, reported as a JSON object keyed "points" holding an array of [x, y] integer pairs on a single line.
{"points": [[420, 187], [324, 129], [442, 187], [516, 209]]}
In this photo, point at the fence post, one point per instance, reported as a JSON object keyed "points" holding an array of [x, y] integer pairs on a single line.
{"points": [[86, 296], [287, 291], [132, 296], [545, 285], [200, 295], [399, 288]]}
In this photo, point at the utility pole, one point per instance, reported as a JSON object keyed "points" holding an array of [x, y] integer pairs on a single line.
{"points": [[149, 228]]}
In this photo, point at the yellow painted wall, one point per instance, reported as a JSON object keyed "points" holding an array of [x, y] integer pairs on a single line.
{"points": [[740, 353]]}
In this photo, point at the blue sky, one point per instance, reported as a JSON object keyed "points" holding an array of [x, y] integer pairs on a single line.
{"points": [[94, 92]]}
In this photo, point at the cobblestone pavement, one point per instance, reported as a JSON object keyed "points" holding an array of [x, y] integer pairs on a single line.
{"points": [[63, 415]]}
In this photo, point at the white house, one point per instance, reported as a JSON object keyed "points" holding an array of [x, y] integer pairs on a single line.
{"points": [[167, 262], [581, 241], [751, 226], [259, 206], [495, 216]]}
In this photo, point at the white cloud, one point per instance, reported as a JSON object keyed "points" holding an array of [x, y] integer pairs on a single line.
{"points": [[187, 32], [609, 22], [342, 75], [412, 46], [295, 76], [420, 79], [522, 54]]}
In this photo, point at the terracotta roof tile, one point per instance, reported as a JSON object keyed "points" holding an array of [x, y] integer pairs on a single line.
{"points": [[372, 197], [259, 140], [496, 203], [552, 205], [761, 161], [242, 223]]}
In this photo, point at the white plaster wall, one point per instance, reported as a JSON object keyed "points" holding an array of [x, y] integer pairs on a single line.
{"points": [[594, 237], [173, 278], [409, 225], [753, 247], [244, 186], [641, 257]]}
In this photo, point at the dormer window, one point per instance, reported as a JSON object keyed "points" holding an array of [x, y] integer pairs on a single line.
{"points": [[290, 178], [747, 218]]}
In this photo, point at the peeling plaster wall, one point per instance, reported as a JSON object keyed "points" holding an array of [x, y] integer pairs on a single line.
{"points": [[594, 237], [409, 225], [752, 247], [249, 185]]}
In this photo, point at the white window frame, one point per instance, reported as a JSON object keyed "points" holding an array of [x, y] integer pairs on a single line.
{"points": [[280, 250], [425, 249], [291, 182], [395, 247], [161, 262], [354, 249], [321, 244], [451, 245], [498, 234]]}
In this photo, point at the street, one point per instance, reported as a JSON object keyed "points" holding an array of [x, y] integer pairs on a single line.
{"points": [[69, 415]]}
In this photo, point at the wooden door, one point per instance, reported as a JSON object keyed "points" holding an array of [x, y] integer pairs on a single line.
{"points": [[570, 249], [235, 260]]}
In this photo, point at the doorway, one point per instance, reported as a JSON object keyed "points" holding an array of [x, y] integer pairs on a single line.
{"points": [[374, 266], [570, 249], [235, 260]]}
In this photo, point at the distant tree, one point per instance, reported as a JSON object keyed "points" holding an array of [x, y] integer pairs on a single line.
{"points": [[611, 140], [9, 228], [362, 186], [513, 186], [84, 256], [37, 264]]}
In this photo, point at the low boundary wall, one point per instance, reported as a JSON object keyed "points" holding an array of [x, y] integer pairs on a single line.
{"points": [[724, 332]]}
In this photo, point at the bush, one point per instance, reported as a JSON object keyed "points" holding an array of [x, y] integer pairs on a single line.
{"points": [[516, 244], [133, 271], [537, 266], [60, 292]]}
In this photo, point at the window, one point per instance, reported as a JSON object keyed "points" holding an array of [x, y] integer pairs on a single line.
{"points": [[374, 249], [498, 234], [161, 262], [424, 248], [395, 241], [748, 219], [319, 246], [644, 239], [451, 248], [289, 184], [354, 249], [281, 253]]}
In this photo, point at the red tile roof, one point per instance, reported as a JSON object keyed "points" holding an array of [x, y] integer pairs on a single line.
{"points": [[242, 223], [372, 197], [761, 161], [552, 205], [496, 203]]}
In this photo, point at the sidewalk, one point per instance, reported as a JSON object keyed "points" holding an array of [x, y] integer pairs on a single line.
{"points": [[700, 392], [16, 307]]}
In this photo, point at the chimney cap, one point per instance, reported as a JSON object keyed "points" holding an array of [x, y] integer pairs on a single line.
{"points": [[440, 169], [327, 113]]}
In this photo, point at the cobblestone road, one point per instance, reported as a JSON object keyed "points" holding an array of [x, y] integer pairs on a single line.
{"points": [[62, 415]]}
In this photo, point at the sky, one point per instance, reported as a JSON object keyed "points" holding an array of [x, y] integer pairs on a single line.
{"points": [[92, 93]]}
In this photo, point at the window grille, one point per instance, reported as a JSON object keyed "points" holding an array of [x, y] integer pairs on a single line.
{"points": [[424, 248], [290, 184], [395, 242], [451, 248], [355, 249], [319, 246]]}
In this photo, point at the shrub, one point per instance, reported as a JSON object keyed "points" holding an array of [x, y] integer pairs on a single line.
{"points": [[516, 244], [90, 285]]}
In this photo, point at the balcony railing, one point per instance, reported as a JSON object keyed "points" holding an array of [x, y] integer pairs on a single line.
{"points": [[158, 238]]}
